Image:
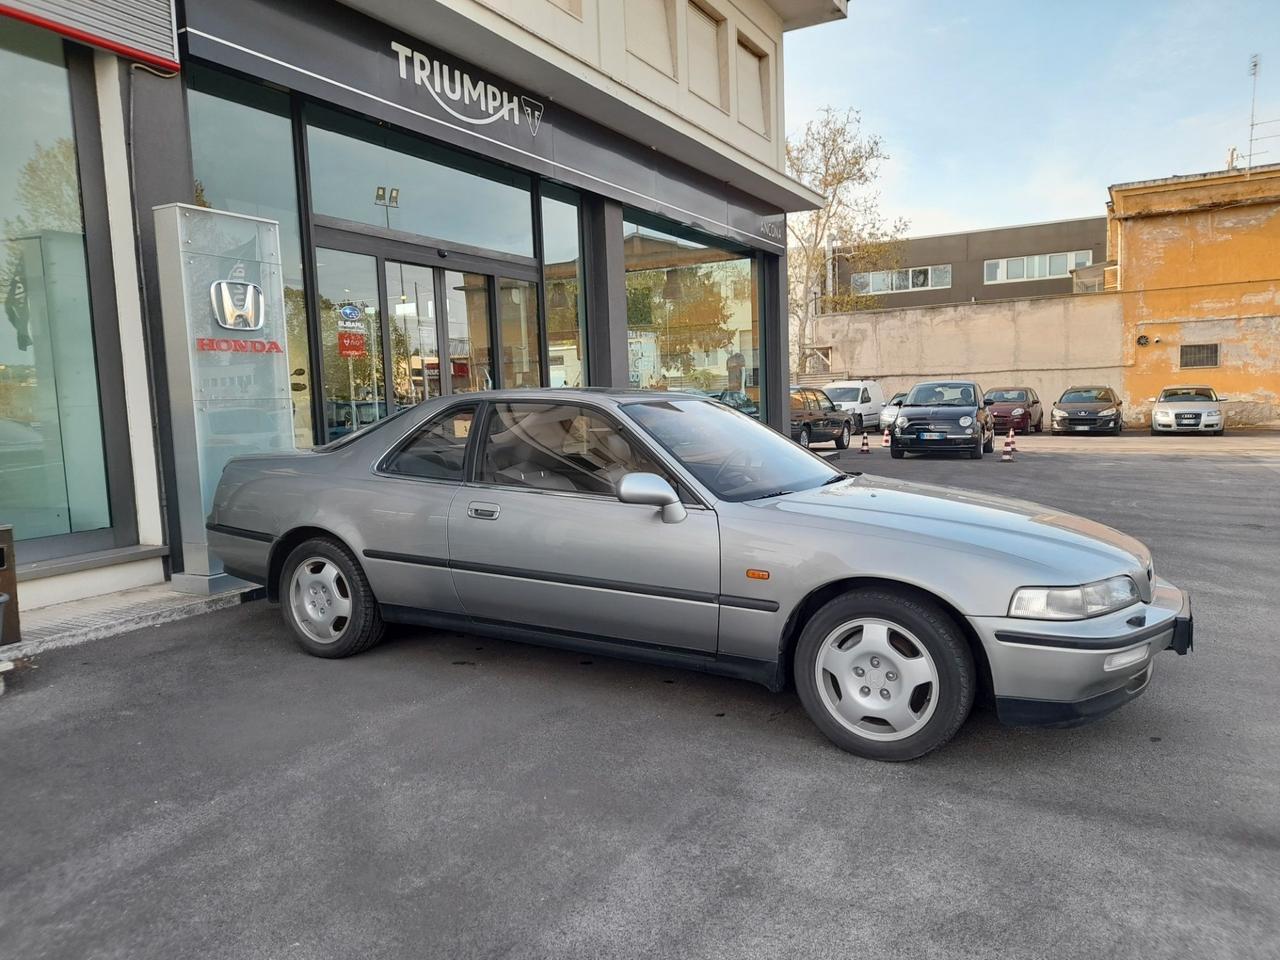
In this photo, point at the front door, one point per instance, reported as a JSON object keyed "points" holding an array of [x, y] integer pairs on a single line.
{"points": [[397, 327], [540, 539]]}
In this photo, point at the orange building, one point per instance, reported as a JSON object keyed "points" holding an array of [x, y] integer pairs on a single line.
{"points": [[1197, 269]]}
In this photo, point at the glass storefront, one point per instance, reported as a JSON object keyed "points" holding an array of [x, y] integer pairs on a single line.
{"points": [[693, 319], [565, 291], [260, 183], [351, 341], [367, 173], [53, 475], [467, 308], [519, 333], [415, 354]]}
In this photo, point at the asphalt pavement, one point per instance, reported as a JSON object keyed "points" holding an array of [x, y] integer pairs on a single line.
{"points": [[202, 789]]}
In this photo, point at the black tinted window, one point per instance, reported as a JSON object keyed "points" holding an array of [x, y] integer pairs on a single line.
{"points": [[438, 451]]}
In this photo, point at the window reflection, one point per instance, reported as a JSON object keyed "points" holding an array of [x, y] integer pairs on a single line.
{"points": [[518, 330], [415, 356], [351, 341], [258, 183], [693, 322], [566, 298], [470, 363], [52, 469]]}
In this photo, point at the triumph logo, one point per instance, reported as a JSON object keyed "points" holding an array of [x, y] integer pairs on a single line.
{"points": [[448, 83], [237, 304]]}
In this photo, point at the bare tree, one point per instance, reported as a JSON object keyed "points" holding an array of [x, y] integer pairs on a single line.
{"points": [[836, 158]]}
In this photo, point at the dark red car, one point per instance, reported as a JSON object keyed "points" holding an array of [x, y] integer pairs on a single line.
{"points": [[1016, 407]]}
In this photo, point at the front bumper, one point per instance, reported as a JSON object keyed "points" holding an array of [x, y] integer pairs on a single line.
{"points": [[1210, 426], [1081, 425], [1061, 673], [1021, 423], [913, 443]]}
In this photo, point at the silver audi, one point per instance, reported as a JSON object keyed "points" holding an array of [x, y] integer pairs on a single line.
{"points": [[672, 529], [1194, 409]]}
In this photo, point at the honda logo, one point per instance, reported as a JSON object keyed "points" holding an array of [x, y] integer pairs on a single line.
{"points": [[237, 304]]}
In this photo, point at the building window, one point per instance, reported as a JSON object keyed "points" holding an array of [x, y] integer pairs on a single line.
{"points": [[1198, 355], [53, 459], [1039, 266], [258, 183], [562, 275], [936, 277], [358, 166], [754, 84], [693, 316], [708, 72]]}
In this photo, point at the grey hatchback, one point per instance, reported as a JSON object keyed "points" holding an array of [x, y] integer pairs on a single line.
{"points": [[672, 529]]}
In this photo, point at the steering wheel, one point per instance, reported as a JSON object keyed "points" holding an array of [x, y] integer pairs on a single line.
{"points": [[728, 462]]}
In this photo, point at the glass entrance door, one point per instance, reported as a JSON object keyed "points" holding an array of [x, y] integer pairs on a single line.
{"points": [[396, 329], [352, 371]]}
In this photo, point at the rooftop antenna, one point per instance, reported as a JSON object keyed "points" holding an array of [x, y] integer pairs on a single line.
{"points": [[1254, 123]]}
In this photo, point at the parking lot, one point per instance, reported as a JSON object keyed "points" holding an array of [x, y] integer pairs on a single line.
{"points": [[202, 789]]}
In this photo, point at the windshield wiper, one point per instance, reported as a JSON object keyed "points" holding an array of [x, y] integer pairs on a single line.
{"points": [[775, 493]]}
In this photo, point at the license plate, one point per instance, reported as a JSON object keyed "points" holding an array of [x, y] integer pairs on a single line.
{"points": [[1080, 428], [932, 436]]}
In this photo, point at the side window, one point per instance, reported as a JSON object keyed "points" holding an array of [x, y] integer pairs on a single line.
{"points": [[811, 401], [438, 451], [825, 402], [797, 401], [557, 446], [866, 396]]}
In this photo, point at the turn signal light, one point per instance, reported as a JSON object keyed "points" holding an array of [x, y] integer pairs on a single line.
{"points": [[757, 574], [1118, 661]]}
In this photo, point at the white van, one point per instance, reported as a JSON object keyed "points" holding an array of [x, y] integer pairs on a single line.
{"points": [[863, 397]]}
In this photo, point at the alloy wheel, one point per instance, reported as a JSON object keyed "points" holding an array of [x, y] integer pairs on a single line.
{"points": [[876, 679], [320, 599]]}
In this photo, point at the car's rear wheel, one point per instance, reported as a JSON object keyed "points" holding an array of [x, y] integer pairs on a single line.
{"points": [[842, 441], [885, 674], [805, 437], [327, 600]]}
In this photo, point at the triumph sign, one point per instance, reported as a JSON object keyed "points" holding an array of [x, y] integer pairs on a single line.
{"points": [[448, 84]]}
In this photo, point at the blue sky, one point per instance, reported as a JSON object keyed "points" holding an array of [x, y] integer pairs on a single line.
{"points": [[1003, 113]]}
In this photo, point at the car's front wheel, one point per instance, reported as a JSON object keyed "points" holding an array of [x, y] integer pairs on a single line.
{"points": [[842, 441], [885, 674], [327, 600]]}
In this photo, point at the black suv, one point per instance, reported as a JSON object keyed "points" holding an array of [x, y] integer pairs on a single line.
{"points": [[814, 417]]}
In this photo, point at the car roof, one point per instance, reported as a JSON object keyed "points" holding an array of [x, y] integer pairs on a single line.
{"points": [[616, 394], [1090, 386], [850, 383], [1186, 386], [994, 389]]}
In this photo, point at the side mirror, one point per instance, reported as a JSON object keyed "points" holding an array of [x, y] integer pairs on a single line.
{"points": [[884, 403], [1119, 403], [1223, 399], [651, 489]]}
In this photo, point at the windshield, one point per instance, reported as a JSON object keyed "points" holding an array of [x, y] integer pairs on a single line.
{"points": [[1087, 395], [735, 457], [1188, 395], [1007, 396], [844, 394], [942, 395]]}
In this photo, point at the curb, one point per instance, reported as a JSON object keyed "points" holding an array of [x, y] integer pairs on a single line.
{"points": [[124, 624]]}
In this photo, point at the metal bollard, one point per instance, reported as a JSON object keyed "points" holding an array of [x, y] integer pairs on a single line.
{"points": [[10, 632]]}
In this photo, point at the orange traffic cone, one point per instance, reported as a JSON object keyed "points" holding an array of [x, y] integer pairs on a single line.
{"points": [[1006, 455], [866, 447], [1013, 441], [885, 441]]}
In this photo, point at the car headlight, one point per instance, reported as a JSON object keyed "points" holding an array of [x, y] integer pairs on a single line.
{"points": [[966, 421], [1059, 414], [902, 422], [1164, 414], [1017, 412], [1073, 603], [1109, 412]]}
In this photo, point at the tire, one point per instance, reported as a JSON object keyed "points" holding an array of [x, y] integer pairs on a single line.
{"points": [[1220, 431], [1155, 432], [323, 573], [978, 449], [842, 440], [897, 453], [930, 699], [989, 446], [805, 437], [1040, 425]]}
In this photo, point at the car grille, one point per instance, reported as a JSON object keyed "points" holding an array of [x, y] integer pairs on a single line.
{"points": [[928, 426], [1082, 421], [1188, 419]]}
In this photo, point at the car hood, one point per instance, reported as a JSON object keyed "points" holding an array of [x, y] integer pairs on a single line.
{"points": [[1043, 544], [1201, 407], [1096, 407], [939, 413]]}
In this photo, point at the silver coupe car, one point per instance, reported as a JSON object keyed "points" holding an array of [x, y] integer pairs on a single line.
{"points": [[672, 529]]}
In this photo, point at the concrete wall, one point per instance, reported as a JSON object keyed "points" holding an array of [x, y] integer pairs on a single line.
{"points": [[1047, 344]]}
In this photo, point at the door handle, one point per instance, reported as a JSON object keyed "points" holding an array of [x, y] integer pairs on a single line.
{"points": [[483, 511]]}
